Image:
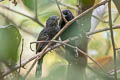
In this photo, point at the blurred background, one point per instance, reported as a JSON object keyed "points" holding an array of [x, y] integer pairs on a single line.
{"points": [[26, 18]]}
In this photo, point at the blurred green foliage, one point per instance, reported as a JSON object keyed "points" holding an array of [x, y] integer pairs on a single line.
{"points": [[29, 4], [9, 43]]}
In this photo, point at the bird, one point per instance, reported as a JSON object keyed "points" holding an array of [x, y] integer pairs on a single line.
{"points": [[72, 30], [68, 16], [50, 30], [74, 57]]}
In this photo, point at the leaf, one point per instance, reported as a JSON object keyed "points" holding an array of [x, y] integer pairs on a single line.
{"points": [[41, 4], [9, 42], [43, 9], [29, 4]]}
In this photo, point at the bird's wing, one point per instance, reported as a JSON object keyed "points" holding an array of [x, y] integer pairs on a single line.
{"points": [[40, 46]]}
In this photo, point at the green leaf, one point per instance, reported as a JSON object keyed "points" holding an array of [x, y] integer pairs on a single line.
{"points": [[78, 28], [29, 4], [43, 9], [41, 4], [9, 42]]}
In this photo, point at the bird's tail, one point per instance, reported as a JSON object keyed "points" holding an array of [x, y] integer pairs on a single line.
{"points": [[39, 68]]}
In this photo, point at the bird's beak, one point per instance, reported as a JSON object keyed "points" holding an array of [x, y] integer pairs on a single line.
{"points": [[64, 16]]}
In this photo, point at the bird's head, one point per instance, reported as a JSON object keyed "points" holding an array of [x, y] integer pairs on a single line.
{"points": [[52, 21], [68, 15]]}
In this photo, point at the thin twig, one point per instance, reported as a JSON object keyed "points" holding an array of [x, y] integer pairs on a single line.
{"points": [[30, 69], [19, 26], [26, 61], [91, 33], [117, 48], [21, 53], [65, 43], [68, 5], [36, 9], [112, 38], [23, 15], [102, 30], [61, 42], [102, 75], [31, 48], [79, 6], [116, 17], [61, 12], [113, 73], [100, 19]]}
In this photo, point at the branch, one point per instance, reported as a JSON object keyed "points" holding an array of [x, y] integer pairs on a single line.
{"points": [[30, 69], [102, 30], [26, 61], [34, 19], [36, 9], [112, 38], [68, 5], [112, 72], [100, 19], [61, 12], [65, 43], [21, 53]]}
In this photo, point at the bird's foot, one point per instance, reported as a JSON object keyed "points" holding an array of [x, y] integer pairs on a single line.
{"points": [[76, 52]]}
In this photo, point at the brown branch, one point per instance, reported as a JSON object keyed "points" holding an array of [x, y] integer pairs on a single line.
{"points": [[112, 38], [21, 54], [113, 73], [102, 30], [61, 12], [102, 75], [19, 26], [36, 9], [26, 61], [65, 43], [34, 19], [30, 69], [89, 33], [100, 19], [68, 5]]}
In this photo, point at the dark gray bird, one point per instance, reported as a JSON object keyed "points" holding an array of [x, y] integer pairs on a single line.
{"points": [[51, 29], [68, 16], [74, 57], [73, 29]]}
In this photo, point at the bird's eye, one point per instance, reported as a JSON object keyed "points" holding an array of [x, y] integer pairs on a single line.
{"points": [[64, 13]]}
